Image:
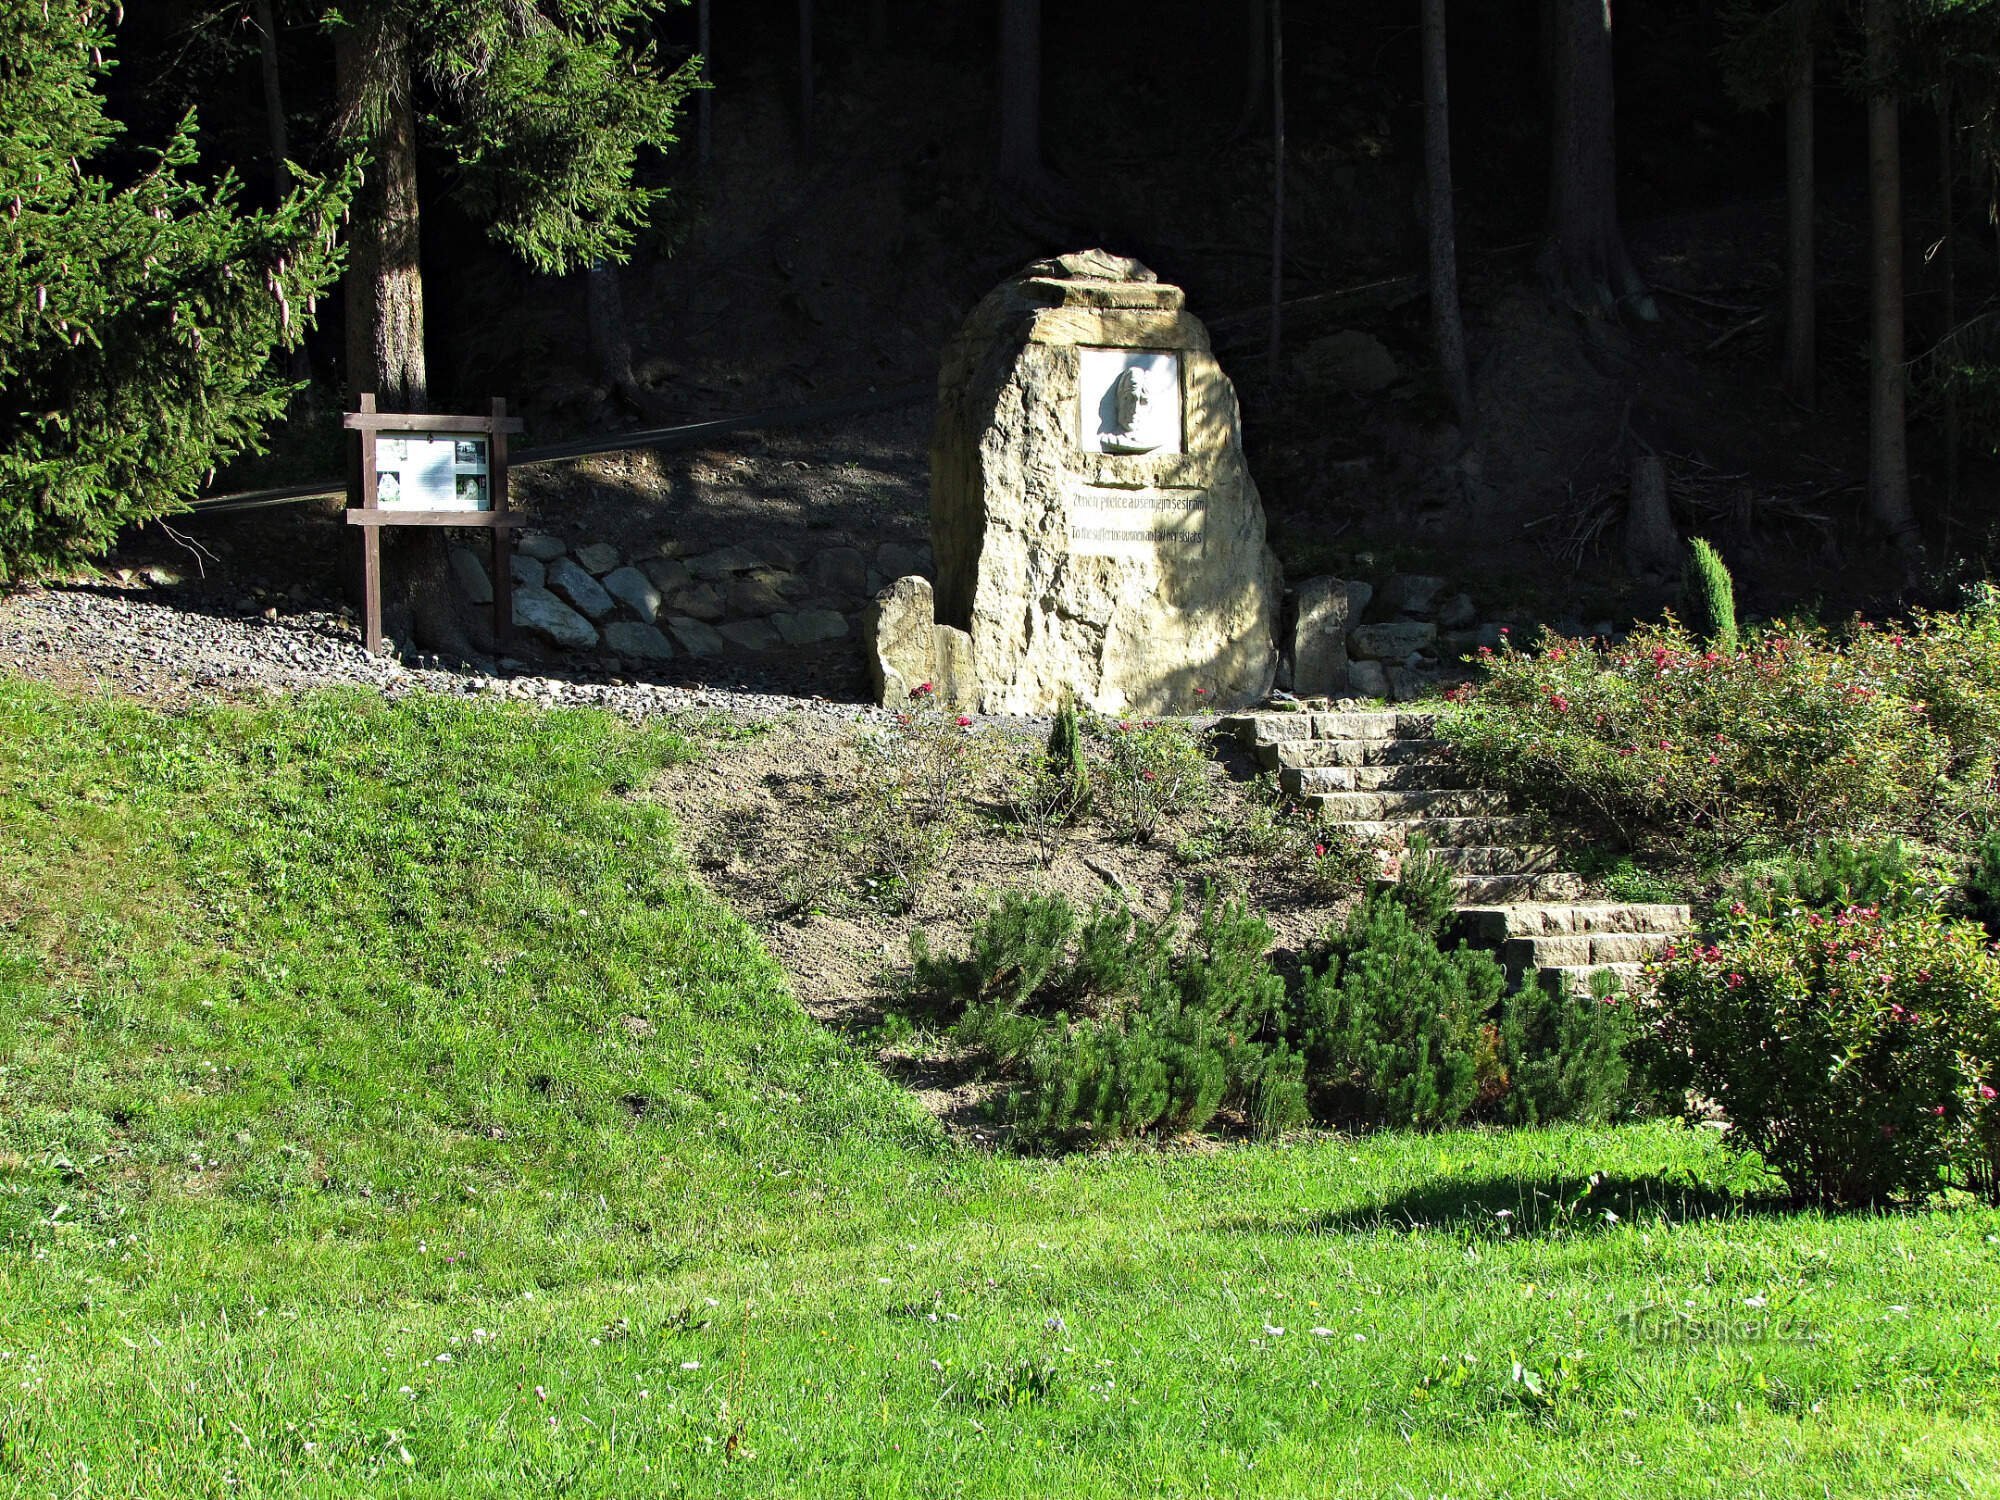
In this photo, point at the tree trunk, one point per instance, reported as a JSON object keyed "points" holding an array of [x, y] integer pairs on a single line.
{"points": [[1586, 260], [1801, 358], [703, 104], [1021, 92], [278, 134], [1888, 462], [1447, 323], [1256, 64], [384, 285], [1948, 258], [1652, 547], [610, 343], [1276, 350], [806, 79]]}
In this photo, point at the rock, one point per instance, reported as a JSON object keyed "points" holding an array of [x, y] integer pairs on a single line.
{"points": [[723, 561], [539, 610], [756, 593], [1350, 361], [1328, 609], [527, 573], [1366, 679], [782, 556], [639, 642], [469, 573], [698, 601], [1458, 613], [956, 682], [597, 558], [809, 627], [1096, 530], [1392, 640], [635, 591], [898, 627], [1406, 683], [540, 546], [1412, 594], [751, 635], [842, 571], [673, 546], [162, 576], [580, 589], [667, 573], [693, 636], [895, 560]]}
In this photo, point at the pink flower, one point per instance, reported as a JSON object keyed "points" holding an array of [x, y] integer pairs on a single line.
{"points": [[1939, 1110], [1559, 703], [921, 690], [1201, 692], [964, 722], [1986, 1091], [1736, 981], [1319, 850], [1737, 909]]}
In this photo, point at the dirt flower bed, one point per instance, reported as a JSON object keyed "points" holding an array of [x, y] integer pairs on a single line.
{"points": [[770, 816]]}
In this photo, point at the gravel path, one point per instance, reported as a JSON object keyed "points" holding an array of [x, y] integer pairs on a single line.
{"points": [[150, 644]]}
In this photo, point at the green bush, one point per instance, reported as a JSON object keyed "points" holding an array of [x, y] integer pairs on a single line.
{"points": [[1833, 875], [1151, 771], [1424, 887], [1067, 769], [1396, 1030], [1565, 1054], [1982, 884], [1857, 1053], [1796, 737], [1709, 595]]}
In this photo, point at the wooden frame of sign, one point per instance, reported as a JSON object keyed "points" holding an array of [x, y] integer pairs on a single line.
{"points": [[464, 486]]}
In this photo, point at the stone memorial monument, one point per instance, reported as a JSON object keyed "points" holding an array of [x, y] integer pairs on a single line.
{"points": [[1096, 530]]}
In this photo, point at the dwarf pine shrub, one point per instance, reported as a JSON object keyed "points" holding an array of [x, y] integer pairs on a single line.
{"points": [[1065, 764], [1565, 1054], [1396, 1030], [1709, 596], [1832, 875], [1424, 889]]}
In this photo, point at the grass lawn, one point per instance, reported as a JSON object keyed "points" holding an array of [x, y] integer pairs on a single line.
{"points": [[382, 1110]]}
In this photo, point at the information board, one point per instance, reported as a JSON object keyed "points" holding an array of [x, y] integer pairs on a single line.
{"points": [[431, 471]]}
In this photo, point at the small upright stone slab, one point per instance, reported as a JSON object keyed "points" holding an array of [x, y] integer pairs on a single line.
{"points": [[1328, 609], [1096, 531]]}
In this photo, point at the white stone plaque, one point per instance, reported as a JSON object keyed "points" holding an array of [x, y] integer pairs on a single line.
{"points": [[1138, 523], [431, 471], [1130, 401]]}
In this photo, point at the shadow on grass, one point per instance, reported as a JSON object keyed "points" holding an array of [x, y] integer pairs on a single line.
{"points": [[1520, 1206]]}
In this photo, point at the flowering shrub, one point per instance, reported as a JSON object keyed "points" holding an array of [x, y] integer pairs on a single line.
{"points": [[1858, 1053], [1793, 736], [1150, 771], [912, 803]]}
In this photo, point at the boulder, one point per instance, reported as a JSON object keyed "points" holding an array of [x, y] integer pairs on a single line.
{"points": [[597, 558], [1096, 530], [756, 593], [636, 641], [542, 612], [540, 546], [1367, 679], [899, 629], [667, 573], [1328, 609], [1411, 594], [470, 575], [581, 590], [750, 635], [1391, 640], [1458, 613], [1350, 361], [635, 591], [694, 637], [842, 571], [809, 627], [724, 561], [698, 601], [782, 556], [896, 560], [527, 572]]}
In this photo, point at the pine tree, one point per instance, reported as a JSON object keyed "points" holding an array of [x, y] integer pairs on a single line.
{"points": [[137, 318]]}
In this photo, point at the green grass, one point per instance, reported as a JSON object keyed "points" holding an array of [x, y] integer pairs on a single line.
{"points": [[382, 1110]]}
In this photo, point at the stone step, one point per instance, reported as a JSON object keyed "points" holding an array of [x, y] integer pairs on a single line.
{"points": [[1484, 890], [1583, 949], [1440, 833], [1379, 724], [1414, 776], [1347, 807], [1298, 755], [1575, 978], [1497, 859], [1493, 925]]}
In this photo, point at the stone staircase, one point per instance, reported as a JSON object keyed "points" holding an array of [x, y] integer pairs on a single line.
{"points": [[1382, 777]]}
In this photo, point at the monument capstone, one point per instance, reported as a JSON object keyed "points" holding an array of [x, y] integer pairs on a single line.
{"points": [[1096, 530]]}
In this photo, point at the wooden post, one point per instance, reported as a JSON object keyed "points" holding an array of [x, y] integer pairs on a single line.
{"points": [[503, 535], [1275, 352], [371, 538]]}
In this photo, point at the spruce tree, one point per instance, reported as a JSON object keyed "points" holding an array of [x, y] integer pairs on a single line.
{"points": [[138, 317], [1710, 597]]}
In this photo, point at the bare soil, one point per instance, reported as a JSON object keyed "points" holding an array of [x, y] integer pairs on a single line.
{"points": [[755, 813]]}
